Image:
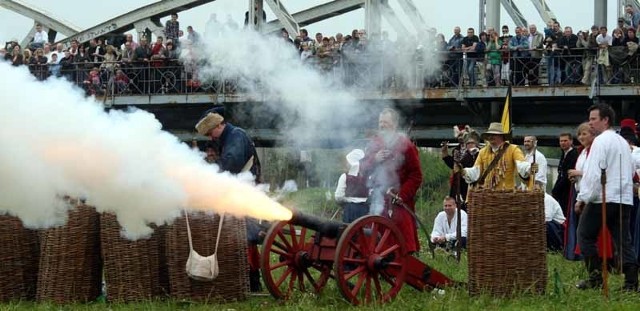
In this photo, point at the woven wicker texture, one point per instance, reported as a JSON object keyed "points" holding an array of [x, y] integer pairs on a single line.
{"points": [[19, 260], [507, 242], [131, 268], [70, 262], [232, 284]]}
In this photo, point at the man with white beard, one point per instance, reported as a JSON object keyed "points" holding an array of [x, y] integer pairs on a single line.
{"points": [[393, 166]]}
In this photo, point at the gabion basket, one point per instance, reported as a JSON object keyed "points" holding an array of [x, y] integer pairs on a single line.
{"points": [[19, 256], [507, 242], [132, 269], [70, 262], [232, 284]]}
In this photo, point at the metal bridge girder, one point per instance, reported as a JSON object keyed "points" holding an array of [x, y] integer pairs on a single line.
{"points": [[125, 22], [392, 18], [515, 13], [287, 20], [544, 10], [317, 13], [48, 21], [414, 15]]}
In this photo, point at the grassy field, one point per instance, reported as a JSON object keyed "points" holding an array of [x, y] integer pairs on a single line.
{"points": [[560, 294]]}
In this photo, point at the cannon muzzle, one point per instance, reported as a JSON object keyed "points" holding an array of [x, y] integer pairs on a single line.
{"points": [[327, 228]]}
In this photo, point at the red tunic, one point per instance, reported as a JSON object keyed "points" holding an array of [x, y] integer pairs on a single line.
{"points": [[401, 172]]}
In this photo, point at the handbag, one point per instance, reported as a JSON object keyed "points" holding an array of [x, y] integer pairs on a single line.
{"points": [[198, 267]]}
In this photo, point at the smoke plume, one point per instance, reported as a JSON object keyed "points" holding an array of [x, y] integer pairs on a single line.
{"points": [[56, 143]]}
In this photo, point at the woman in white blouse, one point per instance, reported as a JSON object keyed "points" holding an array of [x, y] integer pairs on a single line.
{"points": [[585, 136]]}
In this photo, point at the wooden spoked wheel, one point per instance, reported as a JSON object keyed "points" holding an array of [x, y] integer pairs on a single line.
{"points": [[370, 265], [286, 263]]}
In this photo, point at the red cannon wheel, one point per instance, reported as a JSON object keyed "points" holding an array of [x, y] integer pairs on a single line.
{"points": [[286, 262], [370, 262]]}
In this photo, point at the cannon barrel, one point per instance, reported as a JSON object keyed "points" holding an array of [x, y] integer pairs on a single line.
{"points": [[327, 228]]}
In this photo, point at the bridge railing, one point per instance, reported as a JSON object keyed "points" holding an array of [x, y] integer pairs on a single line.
{"points": [[366, 72]]}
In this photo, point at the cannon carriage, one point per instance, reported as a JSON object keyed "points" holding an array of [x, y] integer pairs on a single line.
{"points": [[367, 259]]}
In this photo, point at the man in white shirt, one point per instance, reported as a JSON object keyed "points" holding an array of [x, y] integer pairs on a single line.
{"points": [[352, 191], [445, 225], [609, 154], [532, 155], [554, 221], [39, 38]]}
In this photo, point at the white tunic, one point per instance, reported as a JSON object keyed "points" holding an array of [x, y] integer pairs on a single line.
{"points": [[582, 157], [442, 228], [611, 152], [541, 175], [552, 210]]}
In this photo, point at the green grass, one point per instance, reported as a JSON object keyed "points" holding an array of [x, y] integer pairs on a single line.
{"points": [[567, 298]]}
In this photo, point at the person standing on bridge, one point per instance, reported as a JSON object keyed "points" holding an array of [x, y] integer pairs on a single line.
{"points": [[498, 162], [392, 166], [237, 155], [172, 29]]}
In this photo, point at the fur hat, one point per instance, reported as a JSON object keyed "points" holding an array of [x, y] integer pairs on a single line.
{"points": [[209, 122], [472, 136]]}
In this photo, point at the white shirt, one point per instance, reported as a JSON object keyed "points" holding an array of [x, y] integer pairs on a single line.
{"points": [[608, 39], [40, 37], [552, 210], [610, 151], [582, 157], [442, 228], [541, 175], [635, 157]]}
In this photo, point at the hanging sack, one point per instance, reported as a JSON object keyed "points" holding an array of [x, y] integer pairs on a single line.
{"points": [[199, 267]]}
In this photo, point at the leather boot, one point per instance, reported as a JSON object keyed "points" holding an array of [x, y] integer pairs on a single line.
{"points": [[594, 268], [630, 277], [254, 281]]}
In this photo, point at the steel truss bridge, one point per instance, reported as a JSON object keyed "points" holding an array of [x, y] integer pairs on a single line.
{"points": [[540, 110]]}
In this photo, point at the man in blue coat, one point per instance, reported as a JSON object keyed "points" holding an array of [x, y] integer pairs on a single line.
{"points": [[237, 155]]}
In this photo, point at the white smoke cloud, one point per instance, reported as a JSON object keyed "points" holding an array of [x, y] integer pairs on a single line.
{"points": [[312, 105], [57, 142]]}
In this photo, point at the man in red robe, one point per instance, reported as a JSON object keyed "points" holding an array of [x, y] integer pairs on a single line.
{"points": [[392, 164]]}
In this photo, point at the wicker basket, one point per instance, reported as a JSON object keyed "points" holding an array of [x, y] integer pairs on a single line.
{"points": [[19, 257], [131, 268], [507, 242], [232, 284], [70, 263]]}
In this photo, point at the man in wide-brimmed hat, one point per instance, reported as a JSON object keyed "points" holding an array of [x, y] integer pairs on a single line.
{"points": [[498, 162], [237, 155]]}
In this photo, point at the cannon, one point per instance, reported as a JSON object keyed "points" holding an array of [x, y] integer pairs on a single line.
{"points": [[367, 258]]}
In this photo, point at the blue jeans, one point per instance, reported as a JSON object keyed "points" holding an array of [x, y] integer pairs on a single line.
{"points": [[554, 74], [471, 71]]}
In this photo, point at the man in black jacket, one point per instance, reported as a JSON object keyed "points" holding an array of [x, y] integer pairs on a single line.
{"points": [[562, 188], [237, 154]]}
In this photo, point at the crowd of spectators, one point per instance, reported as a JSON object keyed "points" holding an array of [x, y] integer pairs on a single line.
{"points": [[553, 56]]}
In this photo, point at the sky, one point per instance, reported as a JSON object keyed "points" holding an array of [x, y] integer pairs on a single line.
{"points": [[437, 13]]}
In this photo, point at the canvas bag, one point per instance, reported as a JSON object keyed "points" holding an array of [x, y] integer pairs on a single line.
{"points": [[198, 267]]}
